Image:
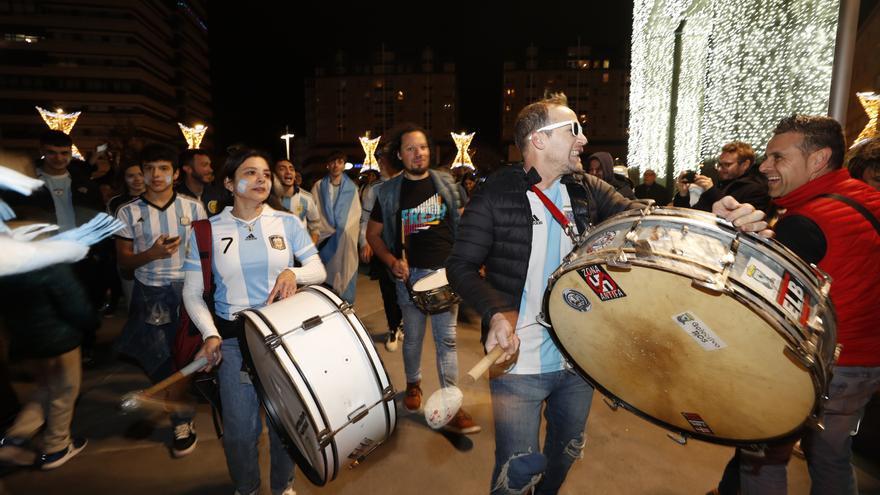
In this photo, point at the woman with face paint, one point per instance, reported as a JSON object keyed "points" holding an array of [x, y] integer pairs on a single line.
{"points": [[250, 239]]}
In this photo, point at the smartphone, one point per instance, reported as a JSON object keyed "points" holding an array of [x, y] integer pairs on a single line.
{"points": [[171, 240], [689, 177], [101, 148]]}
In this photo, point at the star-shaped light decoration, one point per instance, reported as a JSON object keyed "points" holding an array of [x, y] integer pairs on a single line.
{"points": [[193, 135], [871, 103], [369, 146], [60, 121], [287, 136], [462, 158]]}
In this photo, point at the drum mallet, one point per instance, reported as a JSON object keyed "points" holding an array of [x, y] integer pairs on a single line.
{"points": [[444, 404], [135, 400]]}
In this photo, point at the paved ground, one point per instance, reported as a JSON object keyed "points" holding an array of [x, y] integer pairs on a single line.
{"points": [[128, 454]]}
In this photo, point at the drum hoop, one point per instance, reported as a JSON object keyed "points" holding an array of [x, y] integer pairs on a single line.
{"points": [[309, 470], [817, 389]]}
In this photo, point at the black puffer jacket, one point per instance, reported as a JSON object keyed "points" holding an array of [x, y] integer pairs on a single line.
{"points": [[750, 187], [496, 231]]}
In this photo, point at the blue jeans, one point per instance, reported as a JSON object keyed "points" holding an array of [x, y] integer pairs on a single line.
{"points": [[242, 427], [828, 452], [442, 327], [150, 332], [516, 403]]}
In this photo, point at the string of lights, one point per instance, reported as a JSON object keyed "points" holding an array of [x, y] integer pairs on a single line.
{"points": [[744, 65]]}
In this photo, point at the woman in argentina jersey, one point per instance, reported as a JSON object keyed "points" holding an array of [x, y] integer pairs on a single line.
{"points": [[253, 252]]}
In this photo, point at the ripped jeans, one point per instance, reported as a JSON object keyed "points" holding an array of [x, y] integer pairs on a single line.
{"points": [[520, 462]]}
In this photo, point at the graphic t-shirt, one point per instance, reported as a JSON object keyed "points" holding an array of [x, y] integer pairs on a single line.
{"points": [[424, 219]]}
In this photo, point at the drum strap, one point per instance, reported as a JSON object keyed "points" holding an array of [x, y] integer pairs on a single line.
{"points": [[858, 207], [202, 229], [566, 225]]}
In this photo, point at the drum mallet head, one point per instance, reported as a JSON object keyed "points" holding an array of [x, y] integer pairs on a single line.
{"points": [[442, 406]]}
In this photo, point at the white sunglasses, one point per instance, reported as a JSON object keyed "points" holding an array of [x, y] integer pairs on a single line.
{"points": [[575, 127]]}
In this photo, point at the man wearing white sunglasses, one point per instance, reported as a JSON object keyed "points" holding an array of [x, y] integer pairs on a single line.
{"points": [[507, 228]]}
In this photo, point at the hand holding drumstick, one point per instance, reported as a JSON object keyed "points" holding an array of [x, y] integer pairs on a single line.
{"points": [[502, 343]]}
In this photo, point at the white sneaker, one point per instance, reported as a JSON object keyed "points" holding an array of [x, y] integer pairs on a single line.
{"points": [[393, 340]]}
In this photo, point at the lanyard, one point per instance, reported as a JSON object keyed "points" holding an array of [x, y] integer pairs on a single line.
{"points": [[560, 218]]}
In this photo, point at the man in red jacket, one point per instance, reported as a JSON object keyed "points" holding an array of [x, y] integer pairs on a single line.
{"points": [[829, 219]]}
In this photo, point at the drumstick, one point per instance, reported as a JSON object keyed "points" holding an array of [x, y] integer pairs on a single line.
{"points": [[483, 364], [133, 400], [176, 377]]}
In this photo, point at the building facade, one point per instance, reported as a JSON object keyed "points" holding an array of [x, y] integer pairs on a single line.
{"points": [[134, 69], [597, 87], [344, 102]]}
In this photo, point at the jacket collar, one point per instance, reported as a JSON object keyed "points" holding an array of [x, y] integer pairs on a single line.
{"points": [[820, 185]]}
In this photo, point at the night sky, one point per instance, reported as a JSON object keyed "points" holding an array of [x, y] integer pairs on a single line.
{"points": [[261, 52]]}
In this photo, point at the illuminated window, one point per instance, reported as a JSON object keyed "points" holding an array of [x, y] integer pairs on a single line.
{"points": [[606, 64], [400, 96], [605, 77]]}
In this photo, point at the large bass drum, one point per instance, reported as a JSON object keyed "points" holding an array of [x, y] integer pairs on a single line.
{"points": [[703, 330], [321, 381]]}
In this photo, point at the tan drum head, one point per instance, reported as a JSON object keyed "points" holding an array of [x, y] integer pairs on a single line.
{"points": [[702, 364]]}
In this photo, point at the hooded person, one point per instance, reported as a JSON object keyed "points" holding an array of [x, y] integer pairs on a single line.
{"points": [[601, 164]]}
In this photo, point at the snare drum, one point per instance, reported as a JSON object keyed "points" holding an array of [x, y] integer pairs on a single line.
{"points": [[433, 294], [320, 379], [706, 331]]}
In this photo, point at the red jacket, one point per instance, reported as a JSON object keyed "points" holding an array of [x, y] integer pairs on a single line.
{"points": [[852, 259]]}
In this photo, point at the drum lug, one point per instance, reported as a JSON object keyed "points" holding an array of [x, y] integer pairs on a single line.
{"points": [[619, 260], [312, 322], [711, 284], [346, 308], [358, 414], [272, 341], [679, 438], [612, 404]]}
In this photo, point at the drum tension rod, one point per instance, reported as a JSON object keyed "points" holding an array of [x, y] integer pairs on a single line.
{"points": [[679, 438], [388, 393], [718, 282], [612, 404]]}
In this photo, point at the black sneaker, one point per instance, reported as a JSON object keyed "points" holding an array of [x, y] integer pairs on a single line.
{"points": [[184, 439], [58, 459], [15, 452]]}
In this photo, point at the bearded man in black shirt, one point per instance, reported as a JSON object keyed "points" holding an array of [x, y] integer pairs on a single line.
{"points": [[411, 230]]}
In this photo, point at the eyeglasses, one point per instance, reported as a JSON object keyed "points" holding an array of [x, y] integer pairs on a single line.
{"points": [[720, 165], [576, 129]]}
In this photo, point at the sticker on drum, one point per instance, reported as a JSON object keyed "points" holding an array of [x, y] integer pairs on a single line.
{"points": [[697, 423], [603, 241], [760, 278], [794, 299], [601, 283], [576, 300], [699, 331]]}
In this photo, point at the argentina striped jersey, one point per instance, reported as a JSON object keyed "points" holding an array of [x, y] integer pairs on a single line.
{"points": [[145, 222], [248, 256], [537, 351]]}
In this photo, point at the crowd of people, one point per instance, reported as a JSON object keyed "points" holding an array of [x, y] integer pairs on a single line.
{"points": [[195, 250]]}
